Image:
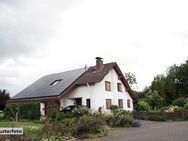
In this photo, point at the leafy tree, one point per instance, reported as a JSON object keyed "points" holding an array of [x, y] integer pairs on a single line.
{"points": [[131, 78], [174, 84], [179, 102], [165, 89], [154, 100], [158, 84], [4, 96], [142, 106]]}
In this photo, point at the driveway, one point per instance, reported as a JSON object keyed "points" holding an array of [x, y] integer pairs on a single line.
{"points": [[150, 131]]}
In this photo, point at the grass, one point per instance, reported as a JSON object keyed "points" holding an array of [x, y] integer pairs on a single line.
{"points": [[32, 130], [20, 124]]}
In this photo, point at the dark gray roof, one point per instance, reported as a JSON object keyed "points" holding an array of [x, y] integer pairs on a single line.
{"points": [[43, 87]]}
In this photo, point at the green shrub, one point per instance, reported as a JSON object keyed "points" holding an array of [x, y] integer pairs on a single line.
{"points": [[156, 118], [114, 107], [33, 133], [119, 118], [24, 111], [169, 108], [68, 124], [179, 109], [81, 112], [87, 125], [186, 106], [142, 106], [55, 115], [52, 127], [180, 102], [1, 115]]}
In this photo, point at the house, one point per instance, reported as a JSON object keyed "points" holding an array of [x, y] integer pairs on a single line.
{"points": [[99, 86]]}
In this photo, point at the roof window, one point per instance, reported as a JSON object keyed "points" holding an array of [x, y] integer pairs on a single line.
{"points": [[55, 82]]}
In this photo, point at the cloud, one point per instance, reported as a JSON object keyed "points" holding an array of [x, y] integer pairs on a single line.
{"points": [[26, 26], [44, 36], [26, 29]]}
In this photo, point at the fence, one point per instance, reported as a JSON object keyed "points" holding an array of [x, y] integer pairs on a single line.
{"points": [[175, 116]]}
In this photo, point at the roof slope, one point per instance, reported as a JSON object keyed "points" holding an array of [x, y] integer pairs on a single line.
{"points": [[93, 76], [43, 87]]}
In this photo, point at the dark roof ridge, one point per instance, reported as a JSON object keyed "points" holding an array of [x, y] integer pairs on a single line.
{"points": [[62, 72]]}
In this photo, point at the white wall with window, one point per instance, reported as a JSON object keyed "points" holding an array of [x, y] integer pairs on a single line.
{"points": [[109, 90]]}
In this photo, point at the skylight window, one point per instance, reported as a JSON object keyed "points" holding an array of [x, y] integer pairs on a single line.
{"points": [[55, 82]]}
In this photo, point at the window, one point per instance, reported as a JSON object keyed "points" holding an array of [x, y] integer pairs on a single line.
{"points": [[129, 103], [107, 86], [120, 103], [119, 87], [108, 103], [55, 82], [88, 103]]}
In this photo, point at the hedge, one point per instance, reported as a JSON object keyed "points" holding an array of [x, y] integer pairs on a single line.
{"points": [[161, 116]]}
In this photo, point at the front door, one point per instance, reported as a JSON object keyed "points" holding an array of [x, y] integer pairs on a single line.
{"points": [[78, 101]]}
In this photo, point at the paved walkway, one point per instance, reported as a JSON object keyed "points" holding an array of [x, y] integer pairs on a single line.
{"points": [[150, 131]]}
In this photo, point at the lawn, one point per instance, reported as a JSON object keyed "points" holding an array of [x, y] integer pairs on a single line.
{"points": [[23, 124]]}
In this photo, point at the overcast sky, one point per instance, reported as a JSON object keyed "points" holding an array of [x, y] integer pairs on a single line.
{"points": [[47, 36]]}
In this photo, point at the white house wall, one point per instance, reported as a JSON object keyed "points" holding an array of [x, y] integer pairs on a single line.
{"points": [[83, 92], [42, 109], [98, 94]]}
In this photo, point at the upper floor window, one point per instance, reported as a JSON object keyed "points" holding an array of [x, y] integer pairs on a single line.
{"points": [[55, 82], [128, 103], [107, 86], [108, 103], [120, 103], [119, 87]]}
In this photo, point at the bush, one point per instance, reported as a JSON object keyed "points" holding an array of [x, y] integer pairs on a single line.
{"points": [[169, 108], [87, 125], [81, 112], [24, 111], [142, 106], [119, 118], [55, 115], [180, 102], [52, 127], [179, 109], [114, 107], [58, 116], [68, 124], [1, 115], [156, 118], [33, 133], [186, 106]]}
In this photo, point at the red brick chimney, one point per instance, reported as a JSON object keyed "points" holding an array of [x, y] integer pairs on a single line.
{"points": [[99, 63]]}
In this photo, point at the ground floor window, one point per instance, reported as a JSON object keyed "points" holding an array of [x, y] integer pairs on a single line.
{"points": [[120, 103], [129, 103], [88, 103], [108, 103]]}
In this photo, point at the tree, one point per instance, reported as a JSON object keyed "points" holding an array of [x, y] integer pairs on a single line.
{"points": [[154, 100], [158, 84], [172, 85], [142, 106], [4, 96], [131, 78]]}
